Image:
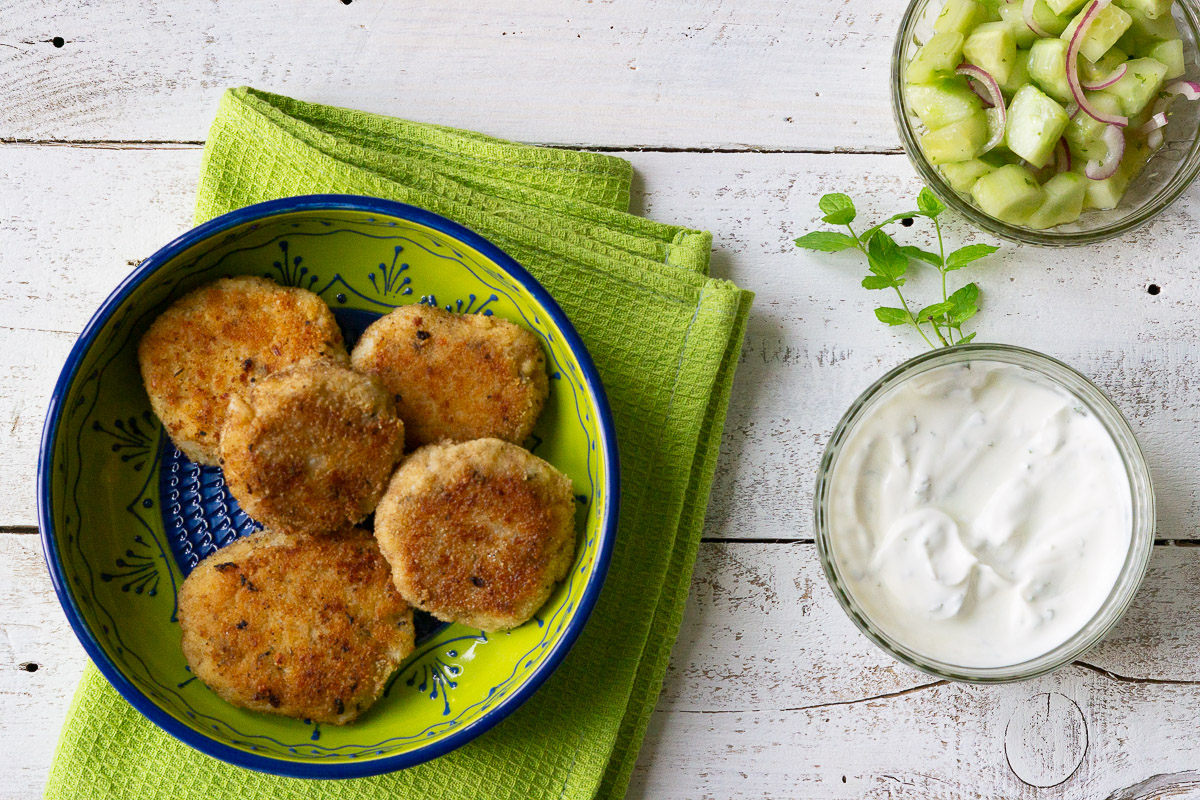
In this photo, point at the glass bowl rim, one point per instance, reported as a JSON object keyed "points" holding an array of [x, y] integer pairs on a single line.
{"points": [[1128, 581], [1173, 189]]}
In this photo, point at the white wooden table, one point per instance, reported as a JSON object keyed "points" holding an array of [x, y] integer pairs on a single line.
{"points": [[737, 115]]}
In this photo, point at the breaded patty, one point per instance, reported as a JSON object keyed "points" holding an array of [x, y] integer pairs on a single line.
{"points": [[456, 377], [477, 532], [215, 342], [303, 626], [310, 448]]}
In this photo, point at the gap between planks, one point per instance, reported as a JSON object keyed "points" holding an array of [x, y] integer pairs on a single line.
{"points": [[131, 144], [30, 530], [923, 687]]}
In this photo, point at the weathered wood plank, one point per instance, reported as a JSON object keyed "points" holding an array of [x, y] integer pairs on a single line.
{"points": [[33, 631], [773, 693], [943, 742], [663, 73], [812, 345], [770, 679]]}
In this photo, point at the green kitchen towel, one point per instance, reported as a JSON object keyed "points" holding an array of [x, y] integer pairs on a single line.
{"points": [[666, 340]]}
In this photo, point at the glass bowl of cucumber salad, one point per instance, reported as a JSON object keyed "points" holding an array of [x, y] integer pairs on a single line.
{"points": [[1051, 122]]}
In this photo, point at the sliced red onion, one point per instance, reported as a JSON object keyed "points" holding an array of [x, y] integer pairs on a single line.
{"points": [[997, 115], [1112, 78], [1189, 89], [1100, 170], [1062, 156], [1073, 69], [1156, 136], [991, 90], [1030, 22], [1157, 121], [1072, 110], [981, 94]]}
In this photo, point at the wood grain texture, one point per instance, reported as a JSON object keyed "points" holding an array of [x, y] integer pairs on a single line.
{"points": [[774, 74], [812, 346], [773, 693]]}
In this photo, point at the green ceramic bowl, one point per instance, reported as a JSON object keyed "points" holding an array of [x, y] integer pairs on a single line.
{"points": [[124, 516]]}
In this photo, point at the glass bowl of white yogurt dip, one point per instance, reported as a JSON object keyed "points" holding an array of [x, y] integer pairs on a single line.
{"points": [[984, 513]]}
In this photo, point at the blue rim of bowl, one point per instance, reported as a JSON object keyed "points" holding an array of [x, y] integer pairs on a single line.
{"points": [[287, 767]]}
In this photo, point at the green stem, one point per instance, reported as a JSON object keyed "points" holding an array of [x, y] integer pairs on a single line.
{"points": [[938, 331], [942, 269], [916, 324], [857, 241]]}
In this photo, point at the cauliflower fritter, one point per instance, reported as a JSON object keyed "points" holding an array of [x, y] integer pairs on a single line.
{"points": [[310, 448], [477, 532], [303, 626], [217, 341], [456, 377]]}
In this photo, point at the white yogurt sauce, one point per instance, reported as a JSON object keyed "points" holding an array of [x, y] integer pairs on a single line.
{"points": [[980, 514]]}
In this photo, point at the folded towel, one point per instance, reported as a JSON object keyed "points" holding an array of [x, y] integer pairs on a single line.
{"points": [[665, 338]]}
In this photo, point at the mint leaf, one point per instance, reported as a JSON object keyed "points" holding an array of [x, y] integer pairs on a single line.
{"points": [[934, 311], [869, 232], [880, 282], [964, 304], [838, 208], [826, 241], [892, 316], [972, 252], [933, 259], [928, 203], [889, 263], [884, 257]]}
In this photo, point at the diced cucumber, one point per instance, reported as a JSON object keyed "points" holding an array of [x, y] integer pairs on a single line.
{"points": [[1170, 54], [962, 175], [1010, 194], [1107, 27], [1144, 32], [1106, 194], [1048, 68], [1014, 16], [938, 104], [1149, 8], [1065, 6], [1137, 155], [1138, 120], [999, 156], [1019, 75], [1141, 83], [1091, 73], [991, 47], [1062, 201], [1035, 124], [958, 141], [938, 57], [1047, 20], [1083, 134], [959, 16]]}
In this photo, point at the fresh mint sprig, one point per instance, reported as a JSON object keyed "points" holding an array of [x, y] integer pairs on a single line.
{"points": [[888, 264]]}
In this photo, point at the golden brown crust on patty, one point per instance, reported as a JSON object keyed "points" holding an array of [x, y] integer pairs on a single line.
{"points": [[218, 341], [456, 377], [310, 448], [477, 532], [302, 626]]}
